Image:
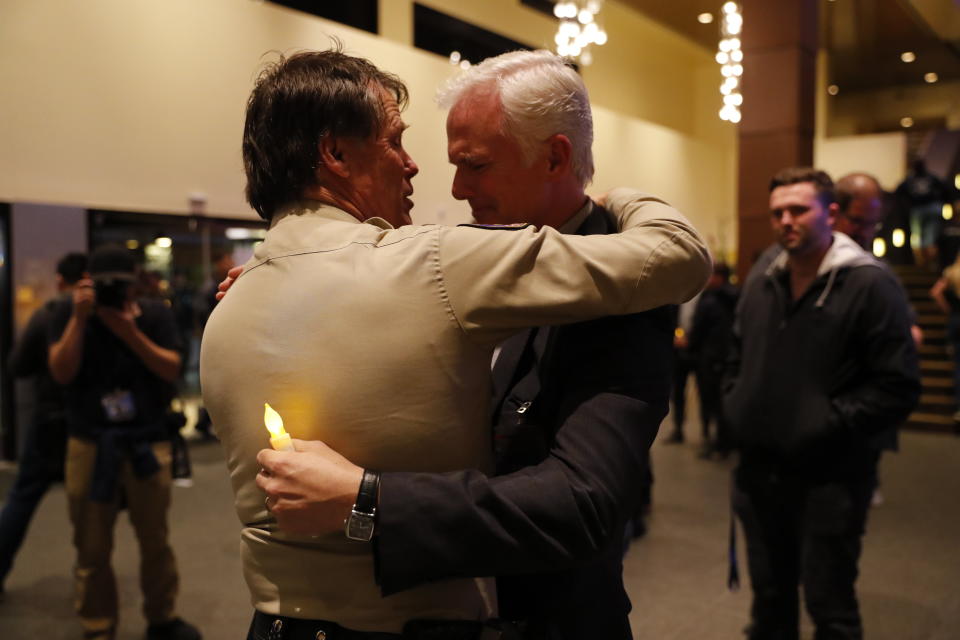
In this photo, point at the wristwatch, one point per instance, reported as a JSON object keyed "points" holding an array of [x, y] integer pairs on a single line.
{"points": [[359, 525]]}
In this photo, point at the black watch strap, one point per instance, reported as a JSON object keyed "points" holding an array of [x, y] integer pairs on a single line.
{"points": [[362, 519], [367, 495]]}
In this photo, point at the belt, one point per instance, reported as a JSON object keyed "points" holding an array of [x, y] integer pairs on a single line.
{"points": [[268, 627]]}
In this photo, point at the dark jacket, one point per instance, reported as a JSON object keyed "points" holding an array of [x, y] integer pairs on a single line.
{"points": [[812, 380], [574, 460], [29, 360], [711, 332]]}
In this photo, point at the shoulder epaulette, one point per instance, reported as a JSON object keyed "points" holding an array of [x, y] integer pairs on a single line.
{"points": [[516, 226]]}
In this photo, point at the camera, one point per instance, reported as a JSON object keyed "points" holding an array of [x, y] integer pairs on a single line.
{"points": [[111, 292]]}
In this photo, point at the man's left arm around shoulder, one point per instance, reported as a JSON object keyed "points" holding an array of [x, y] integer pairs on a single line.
{"points": [[559, 513], [679, 262], [888, 386]]}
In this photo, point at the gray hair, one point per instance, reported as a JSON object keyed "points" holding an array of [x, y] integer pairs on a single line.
{"points": [[541, 96]]}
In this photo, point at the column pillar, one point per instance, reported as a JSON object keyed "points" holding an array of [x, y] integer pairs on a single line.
{"points": [[779, 43]]}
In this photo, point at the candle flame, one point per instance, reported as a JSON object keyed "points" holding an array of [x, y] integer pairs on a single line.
{"points": [[273, 421]]}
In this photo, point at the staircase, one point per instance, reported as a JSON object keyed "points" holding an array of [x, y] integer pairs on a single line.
{"points": [[937, 403]]}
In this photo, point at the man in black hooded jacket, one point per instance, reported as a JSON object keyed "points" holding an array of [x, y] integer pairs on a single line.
{"points": [[822, 361]]}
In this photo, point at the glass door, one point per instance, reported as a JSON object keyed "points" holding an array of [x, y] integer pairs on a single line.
{"points": [[8, 438]]}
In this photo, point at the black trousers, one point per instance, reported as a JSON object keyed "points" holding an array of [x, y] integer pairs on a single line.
{"points": [[710, 386], [807, 532], [41, 464], [683, 366]]}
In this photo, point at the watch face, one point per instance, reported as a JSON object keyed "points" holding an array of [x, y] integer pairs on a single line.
{"points": [[360, 526]]}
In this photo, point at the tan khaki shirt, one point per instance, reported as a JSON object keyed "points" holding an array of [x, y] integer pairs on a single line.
{"points": [[378, 341]]}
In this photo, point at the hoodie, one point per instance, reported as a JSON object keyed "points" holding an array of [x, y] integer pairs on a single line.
{"points": [[811, 380]]}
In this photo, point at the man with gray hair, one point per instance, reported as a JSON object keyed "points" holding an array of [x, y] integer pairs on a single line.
{"points": [[574, 408]]}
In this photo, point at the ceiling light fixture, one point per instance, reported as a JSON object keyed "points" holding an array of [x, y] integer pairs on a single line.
{"points": [[730, 57], [908, 56], [578, 29], [906, 122], [833, 89], [930, 78], [705, 18]]}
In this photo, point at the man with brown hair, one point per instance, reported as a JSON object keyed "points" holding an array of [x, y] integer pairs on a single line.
{"points": [[823, 361]]}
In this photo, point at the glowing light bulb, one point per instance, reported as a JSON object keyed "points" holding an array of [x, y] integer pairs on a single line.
{"points": [[898, 238], [279, 438], [879, 247]]}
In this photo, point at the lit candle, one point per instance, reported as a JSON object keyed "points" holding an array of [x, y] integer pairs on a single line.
{"points": [[279, 439]]}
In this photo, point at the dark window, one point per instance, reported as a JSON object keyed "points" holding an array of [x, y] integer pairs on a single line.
{"points": [[360, 14], [8, 432], [439, 33], [543, 6], [181, 270]]}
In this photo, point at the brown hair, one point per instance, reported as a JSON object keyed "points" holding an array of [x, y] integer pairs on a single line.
{"points": [[820, 180], [297, 101]]}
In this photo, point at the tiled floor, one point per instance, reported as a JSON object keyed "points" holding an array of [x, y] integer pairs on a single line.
{"points": [[910, 570], [676, 575]]}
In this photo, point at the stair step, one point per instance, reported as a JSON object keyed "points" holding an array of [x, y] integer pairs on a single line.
{"points": [[928, 420], [918, 279], [935, 334], [938, 350], [937, 399], [907, 268], [931, 320], [926, 306], [936, 365], [930, 382], [934, 418]]}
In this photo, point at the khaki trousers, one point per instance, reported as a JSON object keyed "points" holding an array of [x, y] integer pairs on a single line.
{"points": [[148, 500]]}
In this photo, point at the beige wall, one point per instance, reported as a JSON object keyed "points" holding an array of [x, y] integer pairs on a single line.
{"points": [[136, 104], [883, 154]]}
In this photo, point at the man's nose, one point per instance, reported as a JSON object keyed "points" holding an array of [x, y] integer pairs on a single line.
{"points": [[412, 168]]}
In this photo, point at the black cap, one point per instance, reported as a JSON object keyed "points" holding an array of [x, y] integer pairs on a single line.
{"points": [[111, 260]]}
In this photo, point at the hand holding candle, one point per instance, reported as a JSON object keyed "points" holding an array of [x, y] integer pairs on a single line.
{"points": [[279, 438]]}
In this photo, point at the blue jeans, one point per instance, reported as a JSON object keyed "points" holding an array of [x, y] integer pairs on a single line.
{"points": [[40, 465]]}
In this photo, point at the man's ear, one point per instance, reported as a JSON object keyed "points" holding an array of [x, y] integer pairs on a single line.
{"points": [[559, 154], [832, 211], [331, 156]]}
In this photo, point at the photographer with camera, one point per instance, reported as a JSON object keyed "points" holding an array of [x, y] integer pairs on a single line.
{"points": [[117, 359]]}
